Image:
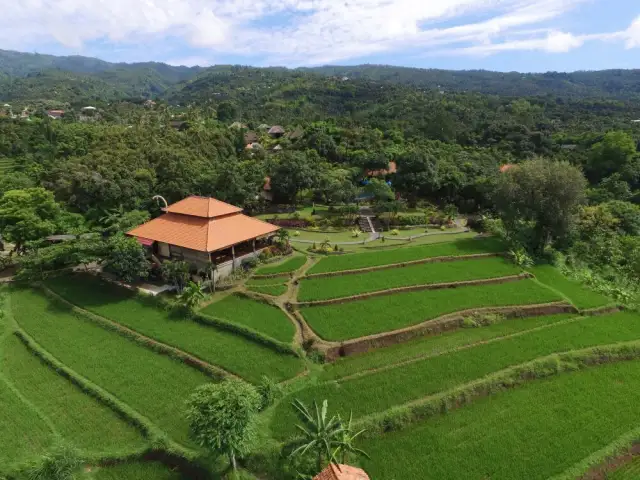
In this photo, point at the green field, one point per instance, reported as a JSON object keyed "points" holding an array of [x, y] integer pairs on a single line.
{"points": [[381, 314], [425, 346], [467, 246], [208, 343], [383, 389], [579, 295], [273, 290], [152, 384], [259, 316], [530, 433], [290, 265], [132, 471], [323, 288], [81, 420]]}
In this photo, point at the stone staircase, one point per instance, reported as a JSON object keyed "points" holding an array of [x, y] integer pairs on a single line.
{"points": [[370, 224]]}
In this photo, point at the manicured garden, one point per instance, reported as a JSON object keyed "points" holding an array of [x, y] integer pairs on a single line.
{"points": [[322, 288], [383, 389], [259, 316], [287, 266], [532, 433], [216, 346], [390, 312], [468, 246]]}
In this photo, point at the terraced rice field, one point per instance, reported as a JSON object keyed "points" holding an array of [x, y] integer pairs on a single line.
{"points": [[288, 266], [133, 471], [471, 246], [383, 389], [323, 288], [531, 433], [382, 314], [274, 286], [208, 343], [259, 316]]}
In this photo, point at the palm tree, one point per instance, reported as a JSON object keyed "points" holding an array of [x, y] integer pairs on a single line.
{"points": [[283, 236], [346, 439], [320, 433], [191, 295]]}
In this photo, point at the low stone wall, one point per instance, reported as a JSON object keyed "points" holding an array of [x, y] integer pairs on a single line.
{"points": [[438, 325], [416, 288], [451, 258]]}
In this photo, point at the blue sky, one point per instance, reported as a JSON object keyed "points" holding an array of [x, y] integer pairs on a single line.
{"points": [[504, 35]]}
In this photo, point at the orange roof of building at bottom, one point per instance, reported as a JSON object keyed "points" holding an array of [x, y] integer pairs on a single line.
{"points": [[341, 472], [203, 234]]}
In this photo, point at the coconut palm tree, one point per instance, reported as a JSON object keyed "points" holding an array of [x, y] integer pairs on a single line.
{"points": [[346, 439], [319, 432]]}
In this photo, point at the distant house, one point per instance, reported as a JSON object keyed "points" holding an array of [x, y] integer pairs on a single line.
{"points": [[251, 137], [88, 109], [55, 114], [276, 131], [277, 148], [202, 230], [266, 190], [149, 103], [506, 167], [179, 125], [392, 168], [295, 134], [254, 146], [264, 127], [341, 472]]}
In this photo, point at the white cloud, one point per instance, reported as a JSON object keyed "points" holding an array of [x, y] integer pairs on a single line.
{"points": [[298, 32]]}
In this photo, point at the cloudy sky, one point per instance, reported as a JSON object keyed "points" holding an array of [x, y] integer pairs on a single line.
{"points": [[524, 35]]}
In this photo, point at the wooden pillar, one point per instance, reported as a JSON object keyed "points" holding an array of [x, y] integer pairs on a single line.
{"points": [[233, 258], [254, 245]]}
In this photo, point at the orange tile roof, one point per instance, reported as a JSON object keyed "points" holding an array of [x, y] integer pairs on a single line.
{"points": [[506, 167], [393, 168], [203, 234], [341, 472], [204, 207]]}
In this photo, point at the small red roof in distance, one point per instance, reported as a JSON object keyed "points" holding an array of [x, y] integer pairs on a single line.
{"points": [[202, 207], [506, 167], [341, 472]]}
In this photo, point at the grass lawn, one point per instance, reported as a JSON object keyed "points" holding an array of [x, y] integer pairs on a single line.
{"points": [[465, 246], [289, 265], [78, 418], [410, 232], [153, 384], [531, 433], [580, 295], [323, 288], [395, 386], [213, 345], [433, 345], [319, 237], [259, 316], [391, 312], [23, 435], [133, 471], [273, 290]]}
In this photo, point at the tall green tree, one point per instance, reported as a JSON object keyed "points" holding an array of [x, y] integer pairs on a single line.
{"points": [[295, 172], [612, 154], [417, 175], [222, 418], [537, 201], [126, 258]]}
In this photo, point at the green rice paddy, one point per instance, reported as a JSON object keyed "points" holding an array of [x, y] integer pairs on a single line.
{"points": [[290, 265]]}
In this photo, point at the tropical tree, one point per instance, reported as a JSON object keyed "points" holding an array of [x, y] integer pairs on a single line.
{"points": [[176, 272], [192, 295], [346, 441], [126, 258], [222, 417], [320, 433], [283, 236]]}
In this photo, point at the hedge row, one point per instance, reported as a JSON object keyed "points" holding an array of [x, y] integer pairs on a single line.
{"points": [[403, 416], [212, 371], [450, 258], [159, 440]]}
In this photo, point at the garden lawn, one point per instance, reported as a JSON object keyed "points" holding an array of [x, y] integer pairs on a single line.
{"points": [[323, 288], [424, 346], [319, 237], [78, 418], [531, 433], [387, 244], [23, 434], [467, 246], [259, 316], [209, 343], [391, 312], [133, 471], [384, 389], [290, 265], [153, 384], [581, 296]]}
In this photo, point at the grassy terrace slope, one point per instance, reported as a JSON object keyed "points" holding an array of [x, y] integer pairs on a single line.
{"points": [[210, 344], [531, 433], [395, 386], [323, 288], [373, 259], [579, 295], [290, 265], [152, 384], [78, 418], [391, 312], [133, 471], [428, 346], [259, 316]]}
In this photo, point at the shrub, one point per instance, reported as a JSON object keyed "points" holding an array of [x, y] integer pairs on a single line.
{"points": [[520, 257], [296, 233], [395, 232], [249, 263], [62, 463], [269, 392], [356, 232]]}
